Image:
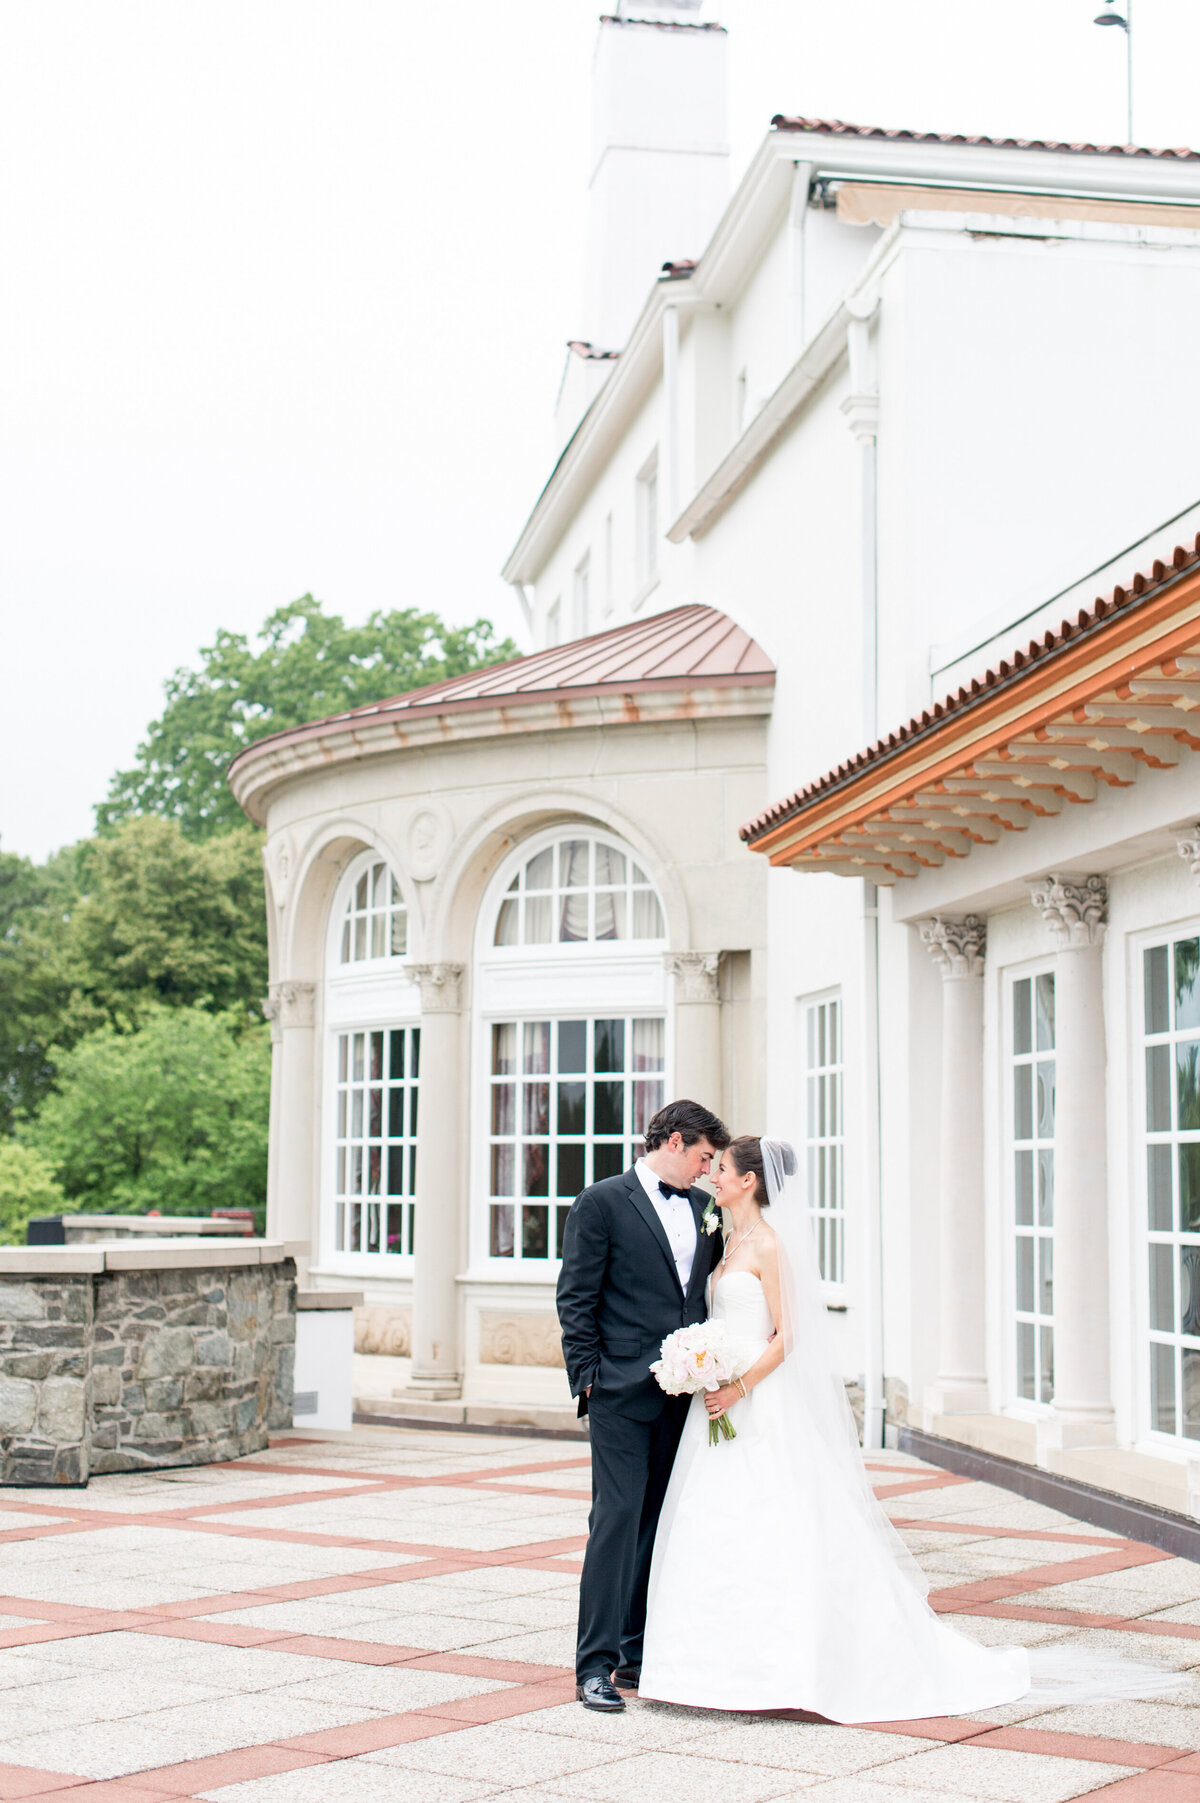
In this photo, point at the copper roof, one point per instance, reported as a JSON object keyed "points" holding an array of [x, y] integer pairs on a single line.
{"points": [[838, 128], [591, 353], [688, 647], [1143, 587]]}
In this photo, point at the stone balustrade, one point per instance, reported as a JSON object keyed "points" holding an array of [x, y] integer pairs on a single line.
{"points": [[126, 1355]]}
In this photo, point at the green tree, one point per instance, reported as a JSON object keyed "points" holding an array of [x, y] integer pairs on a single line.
{"points": [[34, 903], [305, 665], [27, 1187], [170, 1116]]}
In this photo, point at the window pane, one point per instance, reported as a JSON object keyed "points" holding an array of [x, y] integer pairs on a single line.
{"points": [[610, 914], [572, 1108], [396, 1114], [378, 935], [1022, 1017], [1158, 1088], [572, 1045], [610, 1108], [395, 1180], [1189, 1187], [648, 1098], [507, 923], [360, 891], [396, 1067], [1162, 1293], [1187, 983], [375, 1127], [1189, 1291], [539, 872], [649, 1044], [399, 933], [1187, 1081], [501, 1238], [504, 1108], [537, 1046], [539, 920], [360, 937], [610, 1161], [1162, 1388], [1046, 1391], [1023, 1175], [1025, 1274], [570, 1170], [537, 1171], [1158, 1185], [376, 1055], [503, 1171], [573, 916], [610, 1045], [1023, 1101], [1025, 1360], [535, 1232], [1191, 1395], [415, 1053], [1045, 1186], [535, 1116], [1044, 986], [573, 865], [1045, 1275], [647, 916], [1045, 1098], [1154, 966], [610, 866]]}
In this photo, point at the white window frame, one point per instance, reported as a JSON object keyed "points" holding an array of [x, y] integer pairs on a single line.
{"points": [[369, 996], [818, 1080], [586, 979], [1028, 1408], [1178, 1444], [363, 865]]}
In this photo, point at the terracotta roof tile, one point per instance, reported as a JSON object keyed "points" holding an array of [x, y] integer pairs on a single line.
{"points": [[686, 647], [838, 128], [1006, 671]]}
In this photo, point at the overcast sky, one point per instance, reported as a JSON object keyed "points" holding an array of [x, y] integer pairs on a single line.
{"points": [[287, 284]]}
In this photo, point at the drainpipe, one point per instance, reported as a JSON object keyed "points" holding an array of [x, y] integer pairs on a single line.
{"points": [[861, 408]]}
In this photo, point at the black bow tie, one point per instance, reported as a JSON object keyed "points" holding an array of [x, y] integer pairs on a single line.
{"points": [[668, 1189]]}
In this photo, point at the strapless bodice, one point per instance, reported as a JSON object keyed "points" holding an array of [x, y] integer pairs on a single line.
{"points": [[740, 1301]]}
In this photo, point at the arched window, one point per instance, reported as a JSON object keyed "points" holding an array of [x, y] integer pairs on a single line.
{"points": [[581, 890], [375, 923], [572, 1046]]}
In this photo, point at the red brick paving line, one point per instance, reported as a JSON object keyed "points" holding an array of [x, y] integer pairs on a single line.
{"points": [[944, 1481], [401, 1481], [936, 1524], [1043, 1577]]}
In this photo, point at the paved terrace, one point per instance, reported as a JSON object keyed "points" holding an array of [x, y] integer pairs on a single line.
{"points": [[388, 1617]]}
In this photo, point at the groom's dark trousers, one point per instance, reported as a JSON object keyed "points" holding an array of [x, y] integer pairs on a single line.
{"points": [[619, 1295]]}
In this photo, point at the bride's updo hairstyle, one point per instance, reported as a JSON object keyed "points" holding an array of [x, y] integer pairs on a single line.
{"points": [[747, 1156]]}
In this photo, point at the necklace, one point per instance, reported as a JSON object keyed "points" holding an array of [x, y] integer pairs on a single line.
{"points": [[731, 1249]]}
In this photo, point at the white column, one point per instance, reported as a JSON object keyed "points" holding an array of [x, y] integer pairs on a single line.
{"points": [[441, 1139], [697, 1026], [957, 947], [1076, 911], [291, 1187]]}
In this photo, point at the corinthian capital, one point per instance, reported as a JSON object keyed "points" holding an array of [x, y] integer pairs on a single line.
{"points": [[1074, 908], [956, 945], [440, 985], [1188, 845], [696, 974], [289, 1004]]}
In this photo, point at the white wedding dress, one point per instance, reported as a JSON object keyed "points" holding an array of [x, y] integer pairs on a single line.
{"points": [[765, 1593]]}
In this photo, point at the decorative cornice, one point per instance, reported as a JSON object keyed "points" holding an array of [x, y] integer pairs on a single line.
{"points": [[957, 946], [1188, 846], [441, 986], [697, 975], [1075, 910], [289, 1004]]}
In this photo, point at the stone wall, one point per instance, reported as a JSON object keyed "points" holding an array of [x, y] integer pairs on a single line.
{"points": [[122, 1358]]}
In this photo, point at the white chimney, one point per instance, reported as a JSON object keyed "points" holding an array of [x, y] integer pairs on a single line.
{"points": [[660, 154]]}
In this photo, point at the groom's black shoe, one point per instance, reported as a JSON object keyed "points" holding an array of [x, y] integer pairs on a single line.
{"points": [[627, 1677], [599, 1693]]}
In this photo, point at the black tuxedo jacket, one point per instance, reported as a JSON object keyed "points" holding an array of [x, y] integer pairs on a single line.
{"points": [[619, 1294]]}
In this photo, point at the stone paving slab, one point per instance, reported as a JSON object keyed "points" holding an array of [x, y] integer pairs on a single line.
{"points": [[390, 1615]]}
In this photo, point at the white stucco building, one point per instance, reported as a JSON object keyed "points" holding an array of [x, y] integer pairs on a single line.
{"points": [[831, 448]]}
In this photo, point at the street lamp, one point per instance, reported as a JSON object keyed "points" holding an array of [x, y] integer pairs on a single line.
{"points": [[1125, 21]]}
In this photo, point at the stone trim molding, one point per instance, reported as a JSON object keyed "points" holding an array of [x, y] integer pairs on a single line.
{"points": [[441, 986], [957, 946], [520, 1339], [290, 1004], [697, 975], [1188, 846], [1074, 908]]}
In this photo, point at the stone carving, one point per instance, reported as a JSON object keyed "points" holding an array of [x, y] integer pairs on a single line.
{"points": [[1188, 846], [697, 975], [279, 857], [428, 837], [956, 945], [1074, 908], [520, 1340], [290, 1005], [441, 986], [383, 1330]]}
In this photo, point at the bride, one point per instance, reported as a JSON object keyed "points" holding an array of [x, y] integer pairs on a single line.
{"points": [[778, 1582]]}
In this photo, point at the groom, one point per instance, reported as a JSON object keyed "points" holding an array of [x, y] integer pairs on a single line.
{"points": [[637, 1255]]}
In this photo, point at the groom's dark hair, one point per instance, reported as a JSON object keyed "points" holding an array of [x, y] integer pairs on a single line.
{"points": [[691, 1121]]}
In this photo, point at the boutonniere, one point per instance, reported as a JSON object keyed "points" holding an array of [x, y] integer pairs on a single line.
{"points": [[710, 1220]]}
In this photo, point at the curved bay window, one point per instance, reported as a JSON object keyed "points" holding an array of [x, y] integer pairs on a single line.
{"points": [[1171, 1018], [373, 1063], [573, 936]]}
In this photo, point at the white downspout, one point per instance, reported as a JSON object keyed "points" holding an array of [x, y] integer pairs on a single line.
{"points": [[861, 408]]}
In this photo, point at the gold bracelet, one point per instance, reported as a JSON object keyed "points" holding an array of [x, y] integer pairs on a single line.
{"points": [[741, 1386]]}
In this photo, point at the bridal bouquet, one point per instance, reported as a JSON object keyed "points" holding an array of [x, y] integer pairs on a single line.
{"points": [[700, 1357]]}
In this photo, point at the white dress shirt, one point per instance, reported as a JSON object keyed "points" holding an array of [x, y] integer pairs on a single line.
{"points": [[675, 1213]]}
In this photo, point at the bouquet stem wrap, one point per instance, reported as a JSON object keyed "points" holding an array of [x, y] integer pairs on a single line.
{"points": [[698, 1358]]}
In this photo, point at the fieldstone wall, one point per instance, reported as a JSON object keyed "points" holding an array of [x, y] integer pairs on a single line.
{"points": [[190, 1365], [126, 1369], [45, 1364]]}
